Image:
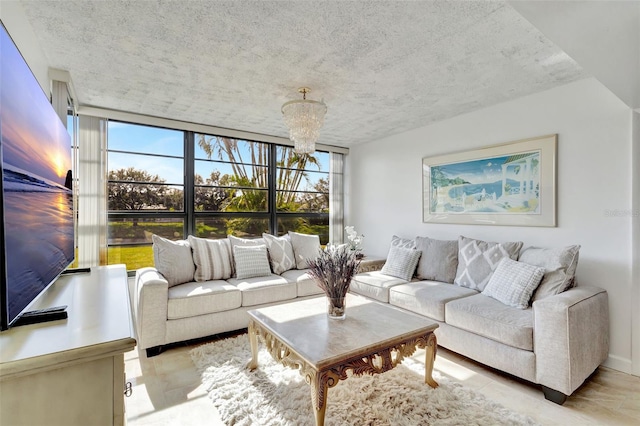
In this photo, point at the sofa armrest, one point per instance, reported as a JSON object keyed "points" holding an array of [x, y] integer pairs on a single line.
{"points": [[571, 337], [151, 299]]}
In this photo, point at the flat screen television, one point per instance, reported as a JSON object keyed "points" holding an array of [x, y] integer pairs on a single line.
{"points": [[37, 236]]}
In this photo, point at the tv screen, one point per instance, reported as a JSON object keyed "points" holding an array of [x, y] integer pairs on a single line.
{"points": [[37, 207]]}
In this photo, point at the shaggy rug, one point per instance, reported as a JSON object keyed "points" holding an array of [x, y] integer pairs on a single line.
{"points": [[277, 395]]}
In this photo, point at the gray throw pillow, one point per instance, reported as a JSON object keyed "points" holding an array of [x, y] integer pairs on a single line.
{"points": [[513, 283], [439, 259], [173, 260], [402, 242], [478, 259], [560, 268], [212, 258], [304, 247], [401, 262], [280, 253], [237, 241], [251, 261]]}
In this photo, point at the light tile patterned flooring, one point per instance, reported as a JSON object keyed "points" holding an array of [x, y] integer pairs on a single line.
{"points": [[167, 391]]}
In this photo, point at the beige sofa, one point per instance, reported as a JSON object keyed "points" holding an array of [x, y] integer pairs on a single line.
{"points": [[556, 342], [176, 307]]}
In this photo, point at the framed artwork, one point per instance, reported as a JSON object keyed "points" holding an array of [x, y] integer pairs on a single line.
{"points": [[510, 184]]}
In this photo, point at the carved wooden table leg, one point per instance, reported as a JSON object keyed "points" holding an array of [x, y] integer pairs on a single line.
{"points": [[253, 340], [319, 389], [432, 345]]}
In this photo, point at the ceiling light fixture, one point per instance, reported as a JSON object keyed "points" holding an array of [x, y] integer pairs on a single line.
{"points": [[304, 118]]}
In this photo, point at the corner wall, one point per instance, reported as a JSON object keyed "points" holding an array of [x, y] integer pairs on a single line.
{"points": [[19, 28], [384, 186]]}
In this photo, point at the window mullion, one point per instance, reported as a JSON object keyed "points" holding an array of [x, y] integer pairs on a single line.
{"points": [[189, 186], [273, 219]]}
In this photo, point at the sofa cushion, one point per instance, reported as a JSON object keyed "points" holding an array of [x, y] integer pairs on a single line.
{"points": [[513, 283], [173, 260], [374, 284], [305, 284], [478, 259], [439, 259], [251, 261], [427, 298], [304, 247], [560, 268], [200, 298], [280, 253], [212, 258], [401, 262], [487, 317], [269, 289]]}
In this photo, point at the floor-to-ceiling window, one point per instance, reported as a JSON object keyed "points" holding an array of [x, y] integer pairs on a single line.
{"points": [[175, 183]]}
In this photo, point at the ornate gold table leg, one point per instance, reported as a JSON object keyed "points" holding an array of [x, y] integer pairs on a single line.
{"points": [[319, 390], [253, 340], [432, 345]]}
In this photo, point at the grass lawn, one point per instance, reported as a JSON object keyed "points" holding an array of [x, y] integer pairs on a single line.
{"points": [[134, 257]]}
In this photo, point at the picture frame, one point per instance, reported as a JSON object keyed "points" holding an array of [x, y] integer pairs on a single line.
{"points": [[511, 184]]}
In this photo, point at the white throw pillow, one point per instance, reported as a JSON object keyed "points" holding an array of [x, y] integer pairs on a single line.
{"points": [[251, 261], [401, 262], [304, 247], [173, 260], [280, 253], [212, 258], [514, 282], [478, 259]]}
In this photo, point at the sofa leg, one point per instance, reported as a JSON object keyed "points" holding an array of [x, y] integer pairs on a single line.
{"points": [[554, 395], [156, 350]]}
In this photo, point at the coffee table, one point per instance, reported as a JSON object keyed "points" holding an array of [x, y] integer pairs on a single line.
{"points": [[373, 338]]}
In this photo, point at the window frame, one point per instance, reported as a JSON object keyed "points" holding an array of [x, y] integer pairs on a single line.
{"points": [[189, 215]]}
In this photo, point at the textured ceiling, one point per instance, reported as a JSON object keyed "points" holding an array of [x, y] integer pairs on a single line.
{"points": [[381, 67]]}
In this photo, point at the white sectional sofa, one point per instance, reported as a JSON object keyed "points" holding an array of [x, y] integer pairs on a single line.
{"points": [[556, 338]]}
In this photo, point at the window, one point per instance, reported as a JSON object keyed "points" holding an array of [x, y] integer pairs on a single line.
{"points": [[145, 190], [173, 183]]}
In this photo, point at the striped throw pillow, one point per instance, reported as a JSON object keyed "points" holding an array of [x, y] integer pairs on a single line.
{"points": [[251, 261], [212, 258]]}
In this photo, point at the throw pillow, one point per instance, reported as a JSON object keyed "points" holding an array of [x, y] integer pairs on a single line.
{"points": [[280, 253], [401, 262], [304, 247], [251, 261], [478, 259], [402, 242], [439, 259], [212, 258], [560, 268], [173, 260], [514, 282], [237, 241]]}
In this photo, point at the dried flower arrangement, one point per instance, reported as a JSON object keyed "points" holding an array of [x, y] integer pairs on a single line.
{"points": [[332, 271]]}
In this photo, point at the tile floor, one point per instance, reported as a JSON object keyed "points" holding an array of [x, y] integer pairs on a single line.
{"points": [[167, 391]]}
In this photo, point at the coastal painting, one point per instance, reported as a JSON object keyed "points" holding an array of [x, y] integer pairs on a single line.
{"points": [[511, 184]]}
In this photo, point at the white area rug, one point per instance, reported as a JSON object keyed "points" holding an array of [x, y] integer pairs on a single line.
{"points": [[277, 395]]}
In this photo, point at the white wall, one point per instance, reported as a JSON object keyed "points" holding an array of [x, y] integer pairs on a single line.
{"points": [[20, 30], [384, 180]]}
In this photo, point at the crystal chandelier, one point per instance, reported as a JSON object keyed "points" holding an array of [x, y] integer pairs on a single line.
{"points": [[304, 119]]}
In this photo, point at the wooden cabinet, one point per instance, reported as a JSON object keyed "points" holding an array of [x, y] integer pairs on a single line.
{"points": [[70, 372]]}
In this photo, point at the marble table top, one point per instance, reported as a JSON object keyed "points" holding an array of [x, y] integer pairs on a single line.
{"points": [[305, 327]]}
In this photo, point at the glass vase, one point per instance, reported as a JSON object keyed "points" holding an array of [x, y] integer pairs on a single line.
{"points": [[336, 307]]}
